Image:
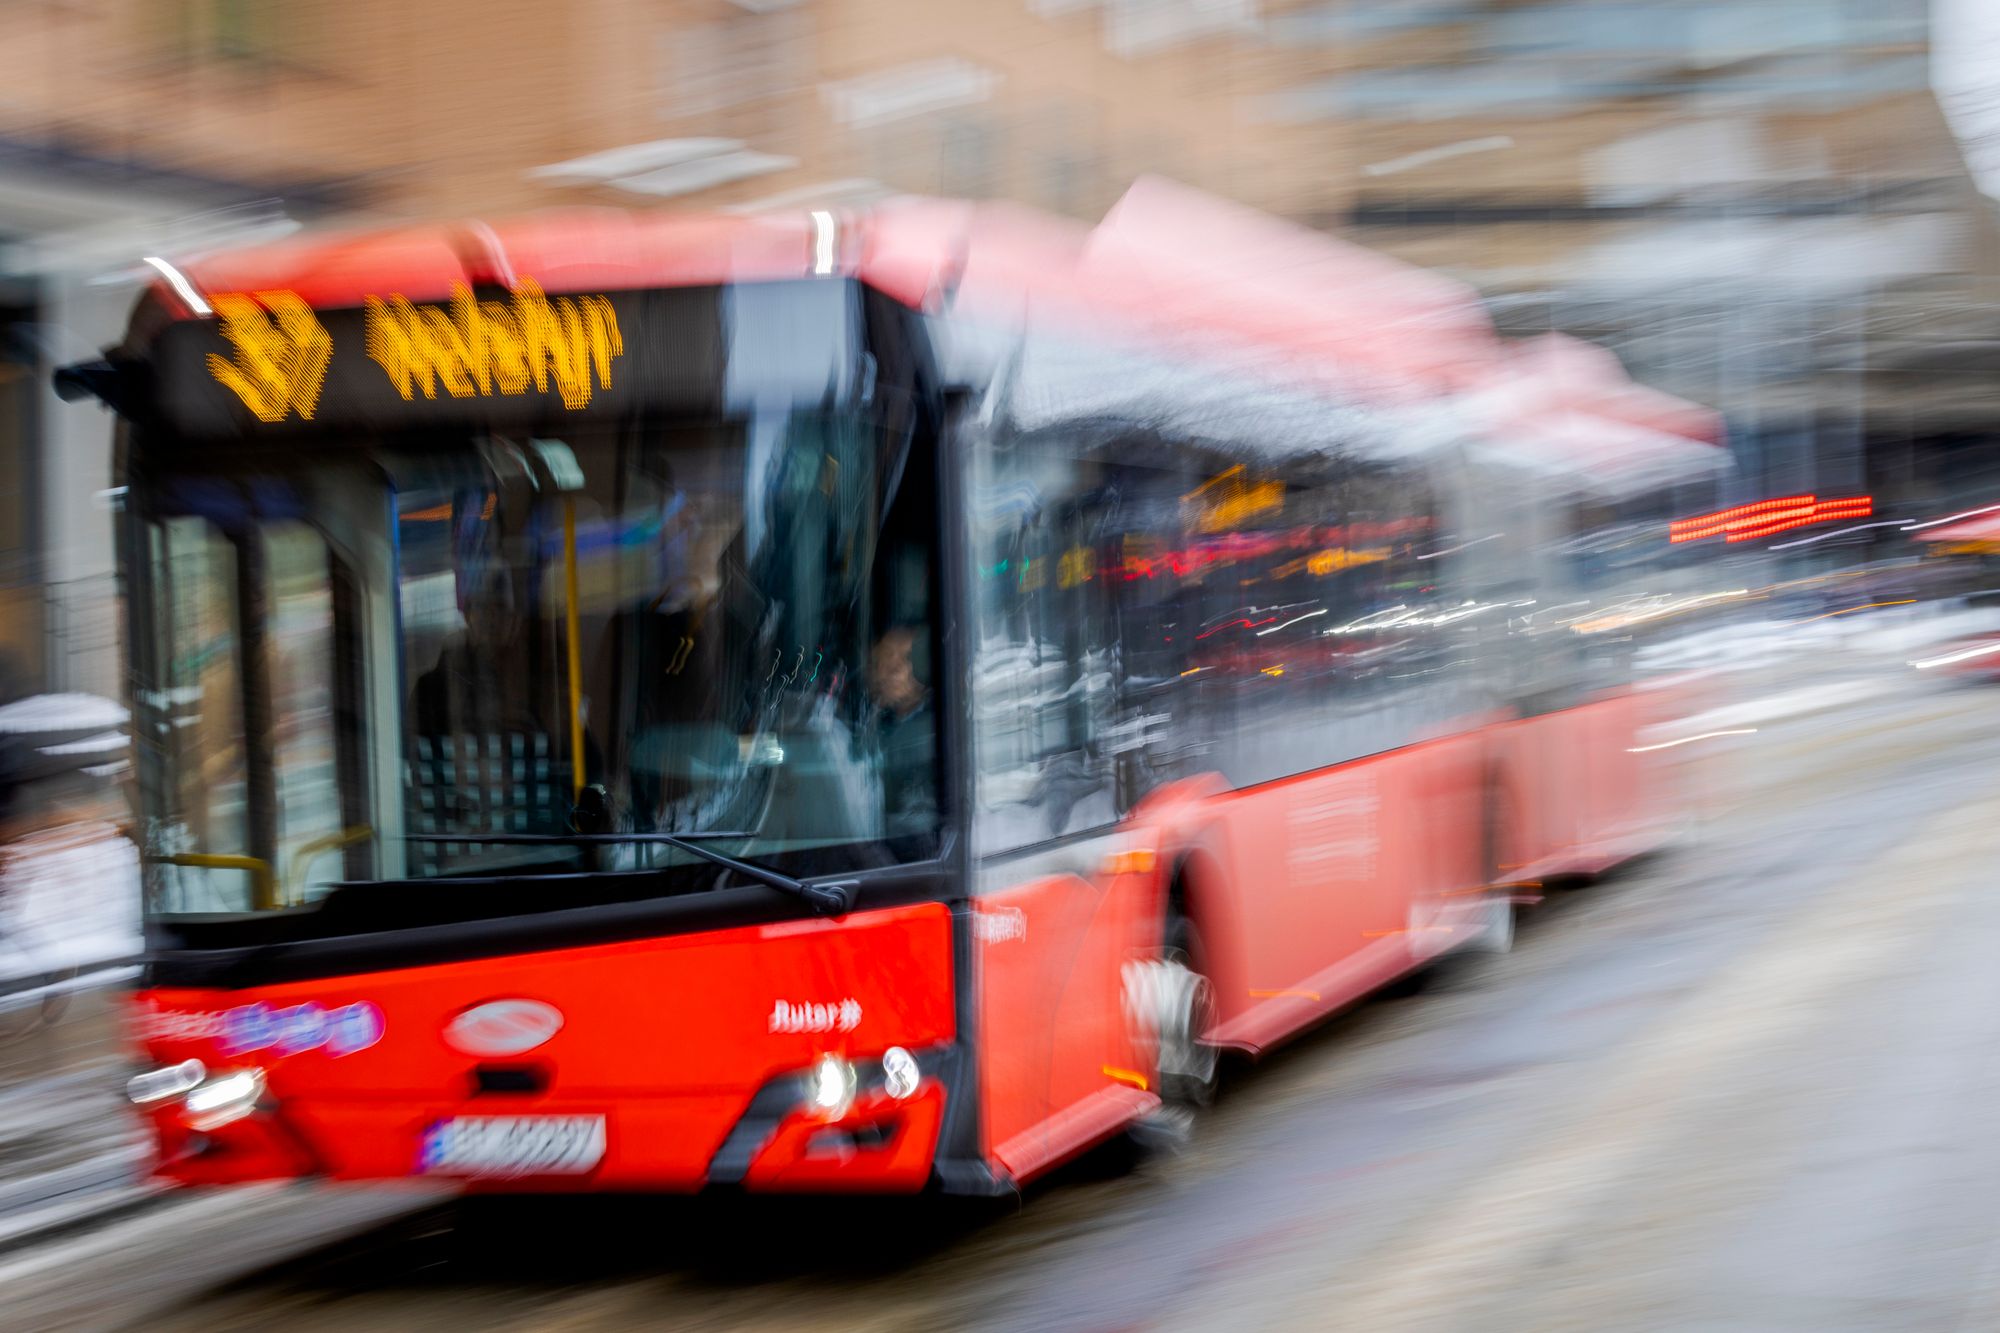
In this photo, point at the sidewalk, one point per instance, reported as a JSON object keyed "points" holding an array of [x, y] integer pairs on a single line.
{"points": [[71, 1152]]}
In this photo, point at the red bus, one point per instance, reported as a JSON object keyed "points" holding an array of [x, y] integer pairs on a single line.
{"points": [[656, 703]]}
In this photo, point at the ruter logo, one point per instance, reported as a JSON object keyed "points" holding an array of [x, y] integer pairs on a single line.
{"points": [[836, 1016], [281, 353]]}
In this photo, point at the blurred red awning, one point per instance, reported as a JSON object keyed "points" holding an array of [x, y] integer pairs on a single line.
{"points": [[1983, 528]]}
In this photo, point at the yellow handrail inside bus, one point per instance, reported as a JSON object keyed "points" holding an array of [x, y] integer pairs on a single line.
{"points": [[263, 889], [332, 842], [575, 635]]}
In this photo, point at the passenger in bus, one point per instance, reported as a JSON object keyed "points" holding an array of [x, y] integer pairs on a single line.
{"points": [[906, 729]]}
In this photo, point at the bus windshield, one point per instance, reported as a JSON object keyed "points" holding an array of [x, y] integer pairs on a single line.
{"points": [[354, 661]]}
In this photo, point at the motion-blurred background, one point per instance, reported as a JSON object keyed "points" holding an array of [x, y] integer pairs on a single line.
{"points": [[1761, 205], [1770, 207]]}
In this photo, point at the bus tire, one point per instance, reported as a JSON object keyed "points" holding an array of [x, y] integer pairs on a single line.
{"points": [[1197, 1062], [1180, 1002]]}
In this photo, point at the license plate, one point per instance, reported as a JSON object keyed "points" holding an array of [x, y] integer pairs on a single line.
{"points": [[509, 1145]]}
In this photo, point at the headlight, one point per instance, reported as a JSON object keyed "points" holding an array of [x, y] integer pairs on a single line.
{"points": [[222, 1100], [830, 1086], [899, 1072]]}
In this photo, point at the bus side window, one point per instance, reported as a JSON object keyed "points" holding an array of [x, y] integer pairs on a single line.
{"points": [[245, 708], [1043, 645], [902, 679], [189, 721], [1163, 586], [319, 841]]}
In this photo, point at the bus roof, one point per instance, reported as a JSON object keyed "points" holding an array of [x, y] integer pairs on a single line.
{"points": [[1167, 262], [1170, 267], [574, 250]]}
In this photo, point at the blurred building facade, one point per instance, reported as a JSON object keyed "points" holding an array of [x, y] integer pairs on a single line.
{"points": [[135, 127], [1755, 202]]}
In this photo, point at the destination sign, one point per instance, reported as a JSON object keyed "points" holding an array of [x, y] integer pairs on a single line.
{"points": [[269, 362], [481, 348]]}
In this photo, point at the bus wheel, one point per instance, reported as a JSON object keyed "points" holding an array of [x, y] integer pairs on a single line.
{"points": [[1178, 1004]]}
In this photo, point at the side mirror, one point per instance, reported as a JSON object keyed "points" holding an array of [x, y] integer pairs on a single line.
{"points": [[90, 379]]}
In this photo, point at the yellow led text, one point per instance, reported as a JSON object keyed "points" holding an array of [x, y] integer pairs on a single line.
{"points": [[478, 348], [281, 353]]}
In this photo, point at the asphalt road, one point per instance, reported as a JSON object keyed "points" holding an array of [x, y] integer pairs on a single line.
{"points": [[1749, 1084]]}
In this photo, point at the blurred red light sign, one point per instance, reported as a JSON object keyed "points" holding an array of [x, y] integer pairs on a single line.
{"points": [[1765, 518]]}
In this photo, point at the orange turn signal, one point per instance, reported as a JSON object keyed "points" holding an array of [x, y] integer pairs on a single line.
{"points": [[1139, 861]]}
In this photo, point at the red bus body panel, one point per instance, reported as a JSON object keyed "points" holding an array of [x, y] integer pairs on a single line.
{"points": [[1578, 796], [1309, 893], [668, 1038], [1060, 1065]]}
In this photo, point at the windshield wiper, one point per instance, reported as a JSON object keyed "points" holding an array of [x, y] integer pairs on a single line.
{"points": [[829, 898]]}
